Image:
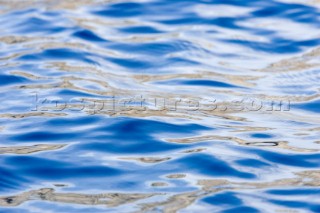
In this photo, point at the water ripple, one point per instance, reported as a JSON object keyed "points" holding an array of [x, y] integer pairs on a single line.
{"points": [[153, 106]]}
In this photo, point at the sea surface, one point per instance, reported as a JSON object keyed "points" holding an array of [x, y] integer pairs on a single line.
{"points": [[159, 106]]}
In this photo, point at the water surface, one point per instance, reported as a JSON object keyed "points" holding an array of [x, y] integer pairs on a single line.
{"points": [[160, 106]]}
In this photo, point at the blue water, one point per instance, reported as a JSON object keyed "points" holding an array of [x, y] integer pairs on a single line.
{"points": [[160, 106]]}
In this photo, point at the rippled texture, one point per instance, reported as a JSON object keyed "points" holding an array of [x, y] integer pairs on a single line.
{"points": [[57, 158]]}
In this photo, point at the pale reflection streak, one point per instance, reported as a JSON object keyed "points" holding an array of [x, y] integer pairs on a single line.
{"points": [[49, 194], [265, 144], [21, 150]]}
